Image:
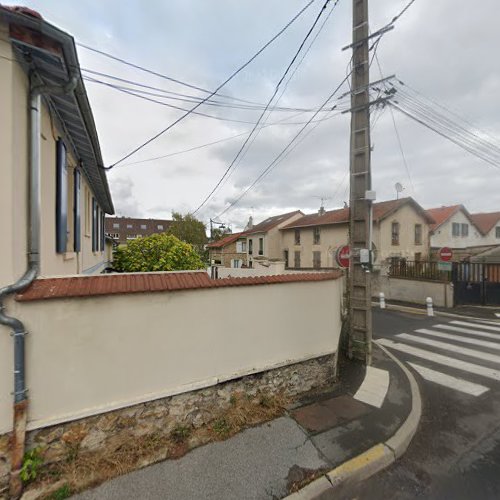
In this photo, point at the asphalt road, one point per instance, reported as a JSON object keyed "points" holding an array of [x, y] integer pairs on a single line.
{"points": [[456, 451]]}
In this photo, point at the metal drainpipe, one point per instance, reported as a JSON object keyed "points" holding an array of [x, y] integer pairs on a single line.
{"points": [[18, 329]]}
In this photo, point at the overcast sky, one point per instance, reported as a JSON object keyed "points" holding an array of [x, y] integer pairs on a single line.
{"points": [[447, 50]]}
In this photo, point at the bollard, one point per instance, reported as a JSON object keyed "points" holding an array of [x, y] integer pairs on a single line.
{"points": [[430, 310], [382, 300]]}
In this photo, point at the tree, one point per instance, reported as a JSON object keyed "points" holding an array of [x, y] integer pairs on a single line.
{"points": [[158, 252], [190, 230], [219, 233]]}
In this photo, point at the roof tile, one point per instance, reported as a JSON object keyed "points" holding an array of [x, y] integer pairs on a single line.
{"points": [[486, 221], [89, 286]]}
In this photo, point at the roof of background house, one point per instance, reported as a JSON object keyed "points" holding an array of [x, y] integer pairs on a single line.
{"points": [[227, 240], [50, 54], [271, 222], [114, 284], [443, 214], [341, 216], [485, 222]]}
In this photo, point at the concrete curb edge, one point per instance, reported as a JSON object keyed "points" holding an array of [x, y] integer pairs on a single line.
{"points": [[376, 458], [418, 310]]}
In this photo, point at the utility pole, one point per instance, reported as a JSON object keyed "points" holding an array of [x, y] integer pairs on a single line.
{"points": [[361, 196]]}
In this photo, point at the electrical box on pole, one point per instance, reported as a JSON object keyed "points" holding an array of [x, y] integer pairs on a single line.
{"points": [[360, 198]]}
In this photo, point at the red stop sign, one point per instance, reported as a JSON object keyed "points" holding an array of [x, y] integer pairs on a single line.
{"points": [[445, 254], [343, 256]]}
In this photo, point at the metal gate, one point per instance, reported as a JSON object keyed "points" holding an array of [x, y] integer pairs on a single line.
{"points": [[476, 283]]}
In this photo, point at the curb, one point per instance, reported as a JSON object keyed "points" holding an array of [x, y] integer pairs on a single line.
{"points": [[377, 457], [417, 310]]}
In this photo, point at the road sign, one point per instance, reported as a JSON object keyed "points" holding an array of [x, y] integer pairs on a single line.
{"points": [[444, 266], [343, 256], [445, 254]]}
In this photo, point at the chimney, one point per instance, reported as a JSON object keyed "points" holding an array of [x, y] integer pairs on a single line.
{"points": [[321, 210], [249, 223]]}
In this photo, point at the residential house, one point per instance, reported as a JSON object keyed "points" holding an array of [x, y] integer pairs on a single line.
{"points": [[455, 228], [400, 230], [54, 192], [264, 239], [489, 225], [229, 251], [123, 229]]}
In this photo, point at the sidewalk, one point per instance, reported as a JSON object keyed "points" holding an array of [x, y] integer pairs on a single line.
{"points": [[483, 312], [273, 460]]}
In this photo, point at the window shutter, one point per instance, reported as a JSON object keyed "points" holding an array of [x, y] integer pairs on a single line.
{"points": [[61, 198], [76, 212], [94, 225], [102, 231]]}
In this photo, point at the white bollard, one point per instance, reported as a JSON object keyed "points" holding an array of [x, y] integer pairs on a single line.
{"points": [[430, 310], [382, 300]]}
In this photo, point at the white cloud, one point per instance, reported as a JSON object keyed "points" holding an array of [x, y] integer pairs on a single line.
{"points": [[444, 51]]}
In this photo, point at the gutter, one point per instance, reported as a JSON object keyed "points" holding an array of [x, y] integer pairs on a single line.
{"points": [[16, 325]]}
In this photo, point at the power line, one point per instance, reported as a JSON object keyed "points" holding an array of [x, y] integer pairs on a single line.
{"points": [[211, 94], [177, 96], [267, 106], [275, 106], [403, 156], [168, 155], [284, 152]]}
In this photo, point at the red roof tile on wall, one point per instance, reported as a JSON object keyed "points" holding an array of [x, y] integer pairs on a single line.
{"points": [[113, 284]]}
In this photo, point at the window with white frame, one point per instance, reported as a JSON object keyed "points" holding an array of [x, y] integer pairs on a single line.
{"points": [[455, 229], [129, 226], [241, 246], [160, 227], [497, 232], [143, 226], [116, 225], [465, 229], [236, 263]]}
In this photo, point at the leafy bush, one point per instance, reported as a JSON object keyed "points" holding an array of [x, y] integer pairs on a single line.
{"points": [[32, 462], [158, 252]]}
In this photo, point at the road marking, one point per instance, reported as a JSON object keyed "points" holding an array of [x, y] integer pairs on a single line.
{"points": [[451, 347], [458, 384], [488, 335], [442, 360], [460, 338], [497, 315], [478, 325], [374, 387]]}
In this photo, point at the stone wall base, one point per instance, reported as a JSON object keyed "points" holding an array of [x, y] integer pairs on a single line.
{"points": [[107, 432]]}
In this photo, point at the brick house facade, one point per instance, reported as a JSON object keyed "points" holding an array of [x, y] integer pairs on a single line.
{"points": [[123, 229]]}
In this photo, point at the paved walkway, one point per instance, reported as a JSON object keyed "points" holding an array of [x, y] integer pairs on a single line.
{"points": [[265, 462]]}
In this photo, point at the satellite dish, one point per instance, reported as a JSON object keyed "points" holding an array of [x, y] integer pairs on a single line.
{"points": [[399, 188]]}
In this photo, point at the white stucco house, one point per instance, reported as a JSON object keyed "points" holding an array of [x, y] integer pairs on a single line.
{"points": [[489, 224], [455, 228]]}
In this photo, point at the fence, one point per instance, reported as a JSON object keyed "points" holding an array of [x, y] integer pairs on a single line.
{"points": [[425, 270]]}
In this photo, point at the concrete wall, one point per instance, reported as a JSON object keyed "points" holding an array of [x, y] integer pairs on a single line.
{"points": [[14, 154], [89, 355], [443, 235], [416, 291]]}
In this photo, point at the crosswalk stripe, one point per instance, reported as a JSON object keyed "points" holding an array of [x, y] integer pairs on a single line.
{"points": [[488, 321], [460, 338], [456, 383], [442, 360], [374, 387], [487, 335], [451, 347], [477, 325]]}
